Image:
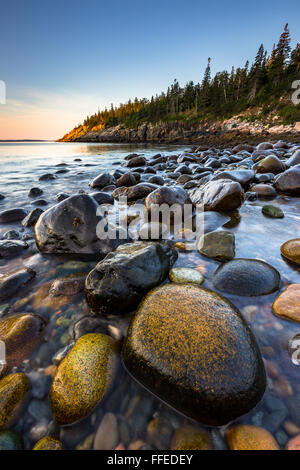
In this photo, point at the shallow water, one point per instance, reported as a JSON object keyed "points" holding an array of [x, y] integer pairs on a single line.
{"points": [[256, 237]]}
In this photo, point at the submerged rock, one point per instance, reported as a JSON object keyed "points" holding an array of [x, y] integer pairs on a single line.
{"points": [[10, 283], [185, 275], [246, 277], [246, 437], [272, 211], [192, 348], [9, 440], [220, 195], [219, 245], [291, 250], [70, 228], [118, 283], [11, 248], [13, 389], [287, 304], [48, 443], [83, 377], [12, 215], [190, 438], [21, 335]]}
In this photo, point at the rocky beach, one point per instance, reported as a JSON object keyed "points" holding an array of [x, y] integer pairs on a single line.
{"points": [[184, 341]]}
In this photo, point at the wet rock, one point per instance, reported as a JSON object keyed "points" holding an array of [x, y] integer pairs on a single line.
{"points": [[185, 275], [47, 177], [289, 181], [21, 334], [48, 443], [264, 178], [127, 179], [12, 215], [270, 164], [40, 202], [61, 196], [156, 180], [264, 191], [240, 147], [246, 277], [138, 191], [293, 444], [294, 159], [272, 211], [89, 324], [188, 437], [9, 440], [13, 389], [102, 198], [287, 304], [69, 285], [210, 221], [35, 192], [192, 348], [166, 195], [264, 146], [291, 250], [83, 378], [246, 437], [102, 180], [244, 177], [136, 162], [11, 248], [10, 283], [220, 195], [11, 235], [107, 435], [70, 228], [118, 283], [32, 218], [219, 245], [2, 197]]}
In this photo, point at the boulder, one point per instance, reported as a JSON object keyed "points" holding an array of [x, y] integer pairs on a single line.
{"points": [[21, 335], [270, 164], [244, 177], [291, 250], [294, 159], [221, 195], [246, 437], [12, 215], [102, 180], [219, 245], [289, 181], [246, 277], [13, 390], [32, 218], [118, 283], [69, 228], [192, 348], [136, 162], [287, 304], [83, 377]]}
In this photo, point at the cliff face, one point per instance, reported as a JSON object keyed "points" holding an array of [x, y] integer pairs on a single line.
{"points": [[185, 132]]}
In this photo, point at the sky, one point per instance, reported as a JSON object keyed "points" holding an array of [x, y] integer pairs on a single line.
{"points": [[62, 60]]}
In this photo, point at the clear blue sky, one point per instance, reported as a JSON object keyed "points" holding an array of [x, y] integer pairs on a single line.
{"points": [[62, 59]]}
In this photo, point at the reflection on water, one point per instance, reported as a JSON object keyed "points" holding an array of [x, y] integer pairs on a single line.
{"points": [[143, 421]]}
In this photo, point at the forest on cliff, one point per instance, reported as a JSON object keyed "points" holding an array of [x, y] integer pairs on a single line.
{"points": [[265, 84]]}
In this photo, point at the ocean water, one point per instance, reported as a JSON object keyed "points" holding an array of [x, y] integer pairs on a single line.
{"points": [[21, 165]]}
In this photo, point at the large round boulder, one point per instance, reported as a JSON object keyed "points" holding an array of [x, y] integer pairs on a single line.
{"points": [[247, 277], [118, 283], [192, 348], [69, 228], [220, 195]]}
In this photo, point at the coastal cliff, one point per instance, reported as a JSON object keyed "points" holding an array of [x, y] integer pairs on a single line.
{"points": [[178, 132]]}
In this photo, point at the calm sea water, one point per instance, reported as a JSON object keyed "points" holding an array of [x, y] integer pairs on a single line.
{"points": [[21, 165]]}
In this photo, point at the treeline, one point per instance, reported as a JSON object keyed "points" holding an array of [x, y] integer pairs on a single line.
{"points": [[263, 83]]}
